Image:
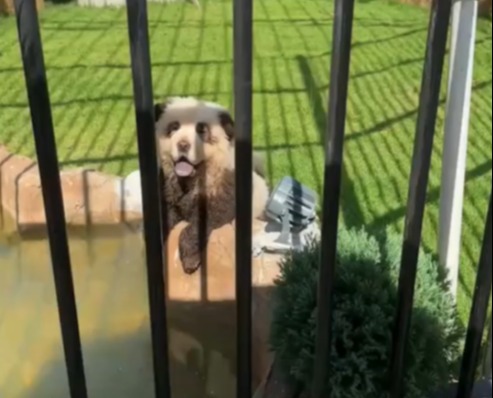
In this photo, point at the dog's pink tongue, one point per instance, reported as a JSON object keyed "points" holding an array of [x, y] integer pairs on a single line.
{"points": [[183, 169]]}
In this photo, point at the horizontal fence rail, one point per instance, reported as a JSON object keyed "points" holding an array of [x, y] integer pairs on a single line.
{"points": [[423, 147], [44, 139], [156, 232], [154, 228], [334, 145]]}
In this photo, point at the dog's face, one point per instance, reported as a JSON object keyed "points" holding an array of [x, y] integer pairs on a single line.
{"points": [[192, 133]]}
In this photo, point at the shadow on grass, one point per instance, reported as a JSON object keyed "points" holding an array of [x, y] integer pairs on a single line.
{"points": [[408, 33], [351, 210]]}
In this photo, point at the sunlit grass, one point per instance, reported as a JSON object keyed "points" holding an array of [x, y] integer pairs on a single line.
{"points": [[87, 55]]}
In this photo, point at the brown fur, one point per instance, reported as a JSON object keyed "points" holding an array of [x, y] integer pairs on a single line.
{"points": [[206, 199], [188, 201]]}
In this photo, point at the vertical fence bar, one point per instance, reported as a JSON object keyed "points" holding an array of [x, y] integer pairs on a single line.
{"points": [[488, 354], [479, 314], [425, 132], [334, 145], [243, 74], [154, 228], [44, 137]]}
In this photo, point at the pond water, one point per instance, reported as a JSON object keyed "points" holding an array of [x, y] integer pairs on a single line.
{"points": [[110, 282]]}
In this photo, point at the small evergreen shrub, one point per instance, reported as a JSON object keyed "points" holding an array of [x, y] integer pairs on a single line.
{"points": [[365, 303]]}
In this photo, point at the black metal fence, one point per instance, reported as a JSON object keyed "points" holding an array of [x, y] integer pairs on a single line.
{"points": [[39, 102]]}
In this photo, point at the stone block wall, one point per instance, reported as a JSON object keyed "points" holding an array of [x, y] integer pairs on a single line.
{"points": [[7, 6], [122, 3]]}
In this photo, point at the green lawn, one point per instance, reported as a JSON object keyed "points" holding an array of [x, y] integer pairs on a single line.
{"points": [[87, 55]]}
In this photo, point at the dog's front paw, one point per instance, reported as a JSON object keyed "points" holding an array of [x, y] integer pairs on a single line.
{"points": [[190, 266], [190, 259]]}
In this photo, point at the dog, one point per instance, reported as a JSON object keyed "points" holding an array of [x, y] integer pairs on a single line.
{"points": [[196, 141]]}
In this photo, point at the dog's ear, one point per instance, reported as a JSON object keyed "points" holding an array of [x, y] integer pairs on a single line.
{"points": [[227, 124], [159, 110]]}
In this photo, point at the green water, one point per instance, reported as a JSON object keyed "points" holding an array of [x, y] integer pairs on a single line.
{"points": [[110, 284]]}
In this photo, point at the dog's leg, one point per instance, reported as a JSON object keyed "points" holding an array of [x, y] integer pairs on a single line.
{"points": [[192, 250], [211, 214], [173, 218]]}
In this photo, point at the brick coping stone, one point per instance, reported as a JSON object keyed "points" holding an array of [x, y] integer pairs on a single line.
{"points": [[90, 197]]}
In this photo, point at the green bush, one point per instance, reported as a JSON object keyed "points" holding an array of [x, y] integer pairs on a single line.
{"points": [[364, 308]]}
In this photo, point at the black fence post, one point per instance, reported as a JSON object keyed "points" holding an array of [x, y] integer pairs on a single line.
{"points": [[44, 137], [151, 196], [488, 353], [243, 74], [479, 314], [334, 145], [428, 109]]}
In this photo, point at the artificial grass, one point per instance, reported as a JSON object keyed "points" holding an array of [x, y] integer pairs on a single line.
{"points": [[87, 55]]}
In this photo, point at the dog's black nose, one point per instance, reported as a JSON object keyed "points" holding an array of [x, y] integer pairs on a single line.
{"points": [[184, 146]]}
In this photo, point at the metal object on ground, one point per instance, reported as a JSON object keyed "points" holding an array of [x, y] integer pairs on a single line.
{"points": [[292, 205]]}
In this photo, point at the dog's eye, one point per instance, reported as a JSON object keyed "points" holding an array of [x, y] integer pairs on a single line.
{"points": [[172, 127], [202, 128]]}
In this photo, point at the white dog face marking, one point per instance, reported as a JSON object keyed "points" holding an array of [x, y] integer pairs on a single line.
{"points": [[191, 133]]}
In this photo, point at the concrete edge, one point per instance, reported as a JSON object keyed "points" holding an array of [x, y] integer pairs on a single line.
{"points": [[91, 198]]}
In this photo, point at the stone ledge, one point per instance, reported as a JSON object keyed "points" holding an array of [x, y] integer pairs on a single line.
{"points": [[277, 385], [7, 6], [213, 290], [90, 197], [122, 3], [203, 307]]}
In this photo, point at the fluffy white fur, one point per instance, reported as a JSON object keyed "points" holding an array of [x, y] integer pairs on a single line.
{"points": [[189, 111]]}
